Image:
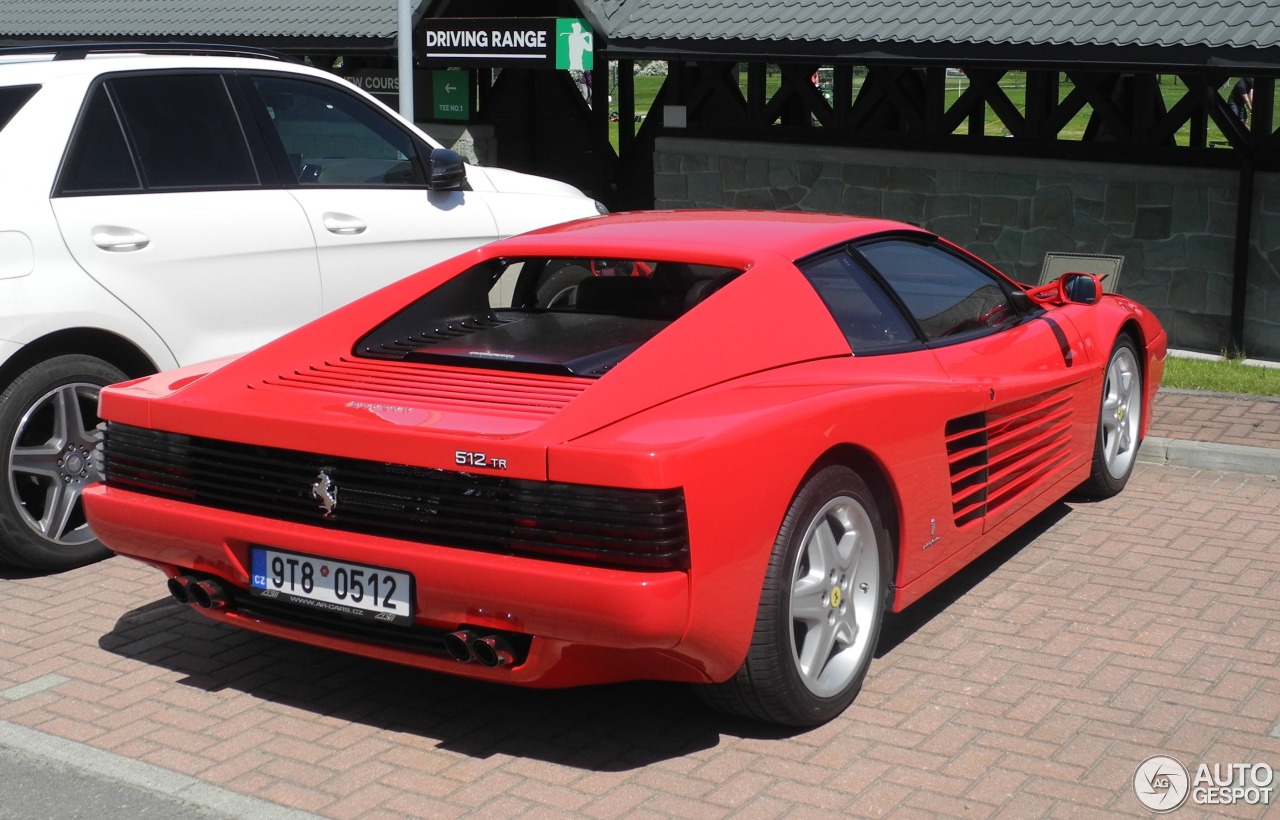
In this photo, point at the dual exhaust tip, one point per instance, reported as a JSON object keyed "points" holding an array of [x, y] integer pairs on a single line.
{"points": [[463, 645], [205, 593], [466, 646]]}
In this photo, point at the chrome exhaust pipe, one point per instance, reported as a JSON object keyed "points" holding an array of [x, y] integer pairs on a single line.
{"points": [[492, 651], [458, 644], [180, 588], [208, 594]]}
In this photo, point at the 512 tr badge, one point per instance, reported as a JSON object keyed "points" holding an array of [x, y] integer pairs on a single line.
{"points": [[464, 458]]}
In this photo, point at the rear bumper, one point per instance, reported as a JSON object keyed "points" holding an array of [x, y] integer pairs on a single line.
{"points": [[586, 624]]}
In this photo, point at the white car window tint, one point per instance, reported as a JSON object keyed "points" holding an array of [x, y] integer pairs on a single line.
{"points": [[334, 138], [13, 98], [99, 161], [185, 131]]}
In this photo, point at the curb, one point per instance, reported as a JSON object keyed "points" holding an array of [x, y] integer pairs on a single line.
{"points": [[1206, 455], [100, 773]]}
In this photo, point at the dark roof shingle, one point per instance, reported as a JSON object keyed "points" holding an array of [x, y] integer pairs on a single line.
{"points": [[174, 18], [1215, 24]]}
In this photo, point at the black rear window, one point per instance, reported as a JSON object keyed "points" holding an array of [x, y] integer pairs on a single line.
{"points": [[561, 316], [12, 98], [158, 132]]}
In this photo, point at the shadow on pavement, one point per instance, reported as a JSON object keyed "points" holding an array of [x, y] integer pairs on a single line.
{"points": [[902, 625], [615, 727]]}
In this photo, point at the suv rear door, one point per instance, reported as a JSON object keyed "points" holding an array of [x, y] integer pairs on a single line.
{"points": [[162, 200]]}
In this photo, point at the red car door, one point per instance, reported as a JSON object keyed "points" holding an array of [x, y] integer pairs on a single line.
{"points": [[1022, 395]]}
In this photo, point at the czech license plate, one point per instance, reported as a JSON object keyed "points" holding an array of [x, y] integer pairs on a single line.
{"points": [[327, 585]]}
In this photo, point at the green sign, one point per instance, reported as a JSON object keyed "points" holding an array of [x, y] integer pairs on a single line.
{"points": [[534, 42], [449, 97], [574, 42]]}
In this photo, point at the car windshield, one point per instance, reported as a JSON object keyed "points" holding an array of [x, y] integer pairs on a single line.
{"points": [[570, 316]]}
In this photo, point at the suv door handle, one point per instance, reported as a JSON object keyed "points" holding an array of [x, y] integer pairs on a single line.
{"points": [[119, 240], [343, 224]]}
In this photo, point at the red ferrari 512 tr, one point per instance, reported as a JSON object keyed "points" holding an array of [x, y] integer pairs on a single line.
{"points": [[710, 447]]}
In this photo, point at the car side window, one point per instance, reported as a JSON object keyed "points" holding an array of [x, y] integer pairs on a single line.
{"points": [[865, 313], [946, 294], [184, 130], [334, 138], [13, 98], [98, 161]]}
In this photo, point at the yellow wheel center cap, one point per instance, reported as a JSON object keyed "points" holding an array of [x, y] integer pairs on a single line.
{"points": [[835, 597]]}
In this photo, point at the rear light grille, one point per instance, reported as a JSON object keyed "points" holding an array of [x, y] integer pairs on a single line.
{"points": [[643, 529]]}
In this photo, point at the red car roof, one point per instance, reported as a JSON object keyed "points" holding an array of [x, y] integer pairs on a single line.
{"points": [[789, 234]]}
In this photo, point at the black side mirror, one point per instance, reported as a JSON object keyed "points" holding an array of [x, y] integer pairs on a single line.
{"points": [[1082, 288], [446, 170]]}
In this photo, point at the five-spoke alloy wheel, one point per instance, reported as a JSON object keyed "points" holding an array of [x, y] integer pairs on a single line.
{"points": [[821, 609], [48, 417], [1119, 422]]}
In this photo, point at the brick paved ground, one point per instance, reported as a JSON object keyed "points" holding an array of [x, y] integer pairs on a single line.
{"points": [[1033, 685], [1195, 416]]}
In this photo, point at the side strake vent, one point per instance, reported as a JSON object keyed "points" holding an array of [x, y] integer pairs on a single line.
{"points": [[576, 523], [999, 456], [525, 394], [967, 456]]}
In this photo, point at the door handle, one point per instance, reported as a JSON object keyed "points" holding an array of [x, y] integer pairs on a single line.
{"points": [[119, 240], [343, 224]]}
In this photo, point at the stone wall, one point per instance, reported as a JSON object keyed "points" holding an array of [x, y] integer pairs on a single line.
{"points": [[1175, 227]]}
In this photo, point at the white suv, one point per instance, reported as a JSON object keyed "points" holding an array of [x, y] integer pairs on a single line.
{"points": [[161, 209]]}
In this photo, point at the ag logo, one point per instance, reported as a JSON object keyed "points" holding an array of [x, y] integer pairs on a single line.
{"points": [[1161, 783]]}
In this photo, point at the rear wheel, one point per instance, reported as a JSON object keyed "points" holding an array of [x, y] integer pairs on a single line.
{"points": [[821, 608], [1119, 422], [47, 420], [560, 288]]}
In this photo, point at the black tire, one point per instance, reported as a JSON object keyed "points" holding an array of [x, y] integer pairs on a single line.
{"points": [[1116, 443], [797, 671], [48, 415], [560, 288]]}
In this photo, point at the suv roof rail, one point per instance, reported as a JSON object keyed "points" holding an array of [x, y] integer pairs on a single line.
{"points": [[80, 50]]}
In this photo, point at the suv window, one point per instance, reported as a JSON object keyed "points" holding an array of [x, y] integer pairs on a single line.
{"points": [[334, 138], [99, 160], [183, 129], [13, 98], [946, 294]]}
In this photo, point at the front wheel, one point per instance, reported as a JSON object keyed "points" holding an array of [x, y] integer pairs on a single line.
{"points": [[47, 419], [1115, 448], [821, 608]]}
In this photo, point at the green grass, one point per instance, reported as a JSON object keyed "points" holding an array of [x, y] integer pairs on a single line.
{"points": [[646, 89], [1225, 376]]}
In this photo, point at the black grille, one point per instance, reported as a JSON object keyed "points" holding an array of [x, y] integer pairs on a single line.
{"points": [[644, 529]]}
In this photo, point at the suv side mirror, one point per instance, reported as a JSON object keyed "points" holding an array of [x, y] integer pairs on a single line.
{"points": [[446, 170]]}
